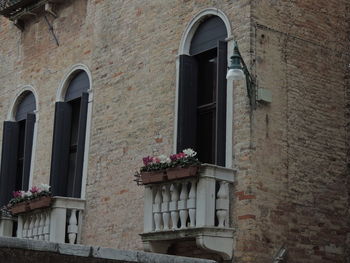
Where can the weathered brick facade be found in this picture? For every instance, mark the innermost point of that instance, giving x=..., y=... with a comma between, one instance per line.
x=291, y=155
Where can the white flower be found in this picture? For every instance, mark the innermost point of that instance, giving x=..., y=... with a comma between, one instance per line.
x=164, y=159
x=189, y=152
x=44, y=187
x=27, y=194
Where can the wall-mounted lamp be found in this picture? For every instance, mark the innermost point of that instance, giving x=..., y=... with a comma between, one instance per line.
x=237, y=70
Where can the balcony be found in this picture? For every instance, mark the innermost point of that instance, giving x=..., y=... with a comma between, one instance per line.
x=196, y=208
x=60, y=223
x=19, y=11
x=11, y=8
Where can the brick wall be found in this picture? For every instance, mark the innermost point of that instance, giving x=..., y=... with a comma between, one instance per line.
x=297, y=189
x=290, y=155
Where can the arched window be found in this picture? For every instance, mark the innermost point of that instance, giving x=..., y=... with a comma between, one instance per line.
x=69, y=138
x=17, y=144
x=202, y=93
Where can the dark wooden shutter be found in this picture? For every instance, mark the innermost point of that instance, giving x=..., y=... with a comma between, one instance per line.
x=187, y=104
x=60, y=149
x=78, y=174
x=220, y=144
x=8, y=161
x=28, y=145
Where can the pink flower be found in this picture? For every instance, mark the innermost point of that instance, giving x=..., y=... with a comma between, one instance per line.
x=17, y=194
x=156, y=160
x=34, y=190
x=180, y=155
x=147, y=160
x=173, y=157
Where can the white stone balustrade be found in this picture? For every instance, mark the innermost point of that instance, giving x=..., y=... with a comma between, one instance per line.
x=191, y=207
x=61, y=222
x=192, y=202
x=6, y=226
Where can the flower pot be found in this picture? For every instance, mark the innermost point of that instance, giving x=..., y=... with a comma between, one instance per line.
x=41, y=202
x=153, y=177
x=181, y=172
x=19, y=208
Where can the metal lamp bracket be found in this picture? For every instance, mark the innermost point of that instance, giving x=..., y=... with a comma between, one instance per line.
x=49, y=8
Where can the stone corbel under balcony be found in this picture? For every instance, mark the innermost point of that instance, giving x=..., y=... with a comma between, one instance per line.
x=191, y=209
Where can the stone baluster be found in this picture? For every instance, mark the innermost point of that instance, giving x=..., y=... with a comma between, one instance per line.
x=25, y=227
x=165, y=207
x=222, y=204
x=36, y=218
x=31, y=226
x=182, y=205
x=191, y=204
x=20, y=222
x=72, y=227
x=41, y=225
x=156, y=210
x=46, y=230
x=173, y=205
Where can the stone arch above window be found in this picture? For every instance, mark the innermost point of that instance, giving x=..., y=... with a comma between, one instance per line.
x=27, y=93
x=77, y=86
x=25, y=104
x=207, y=35
x=197, y=20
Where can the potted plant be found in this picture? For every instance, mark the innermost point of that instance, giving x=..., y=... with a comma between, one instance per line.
x=184, y=164
x=153, y=170
x=35, y=198
x=162, y=168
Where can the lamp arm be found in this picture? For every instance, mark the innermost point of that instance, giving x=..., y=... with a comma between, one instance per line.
x=245, y=68
x=251, y=86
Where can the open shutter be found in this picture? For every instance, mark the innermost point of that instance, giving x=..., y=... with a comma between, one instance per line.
x=220, y=144
x=187, y=110
x=8, y=161
x=28, y=145
x=60, y=149
x=78, y=174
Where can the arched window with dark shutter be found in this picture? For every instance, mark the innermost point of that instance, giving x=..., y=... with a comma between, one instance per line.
x=202, y=93
x=69, y=138
x=17, y=145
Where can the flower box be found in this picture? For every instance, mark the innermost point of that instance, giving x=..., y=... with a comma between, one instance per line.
x=181, y=172
x=41, y=202
x=26, y=206
x=153, y=177
x=19, y=208
x=161, y=168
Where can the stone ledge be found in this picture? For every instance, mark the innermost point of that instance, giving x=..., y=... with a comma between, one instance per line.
x=15, y=250
x=188, y=233
x=213, y=239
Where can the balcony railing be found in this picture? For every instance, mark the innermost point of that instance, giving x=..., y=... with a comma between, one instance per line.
x=20, y=11
x=60, y=223
x=10, y=8
x=197, y=208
